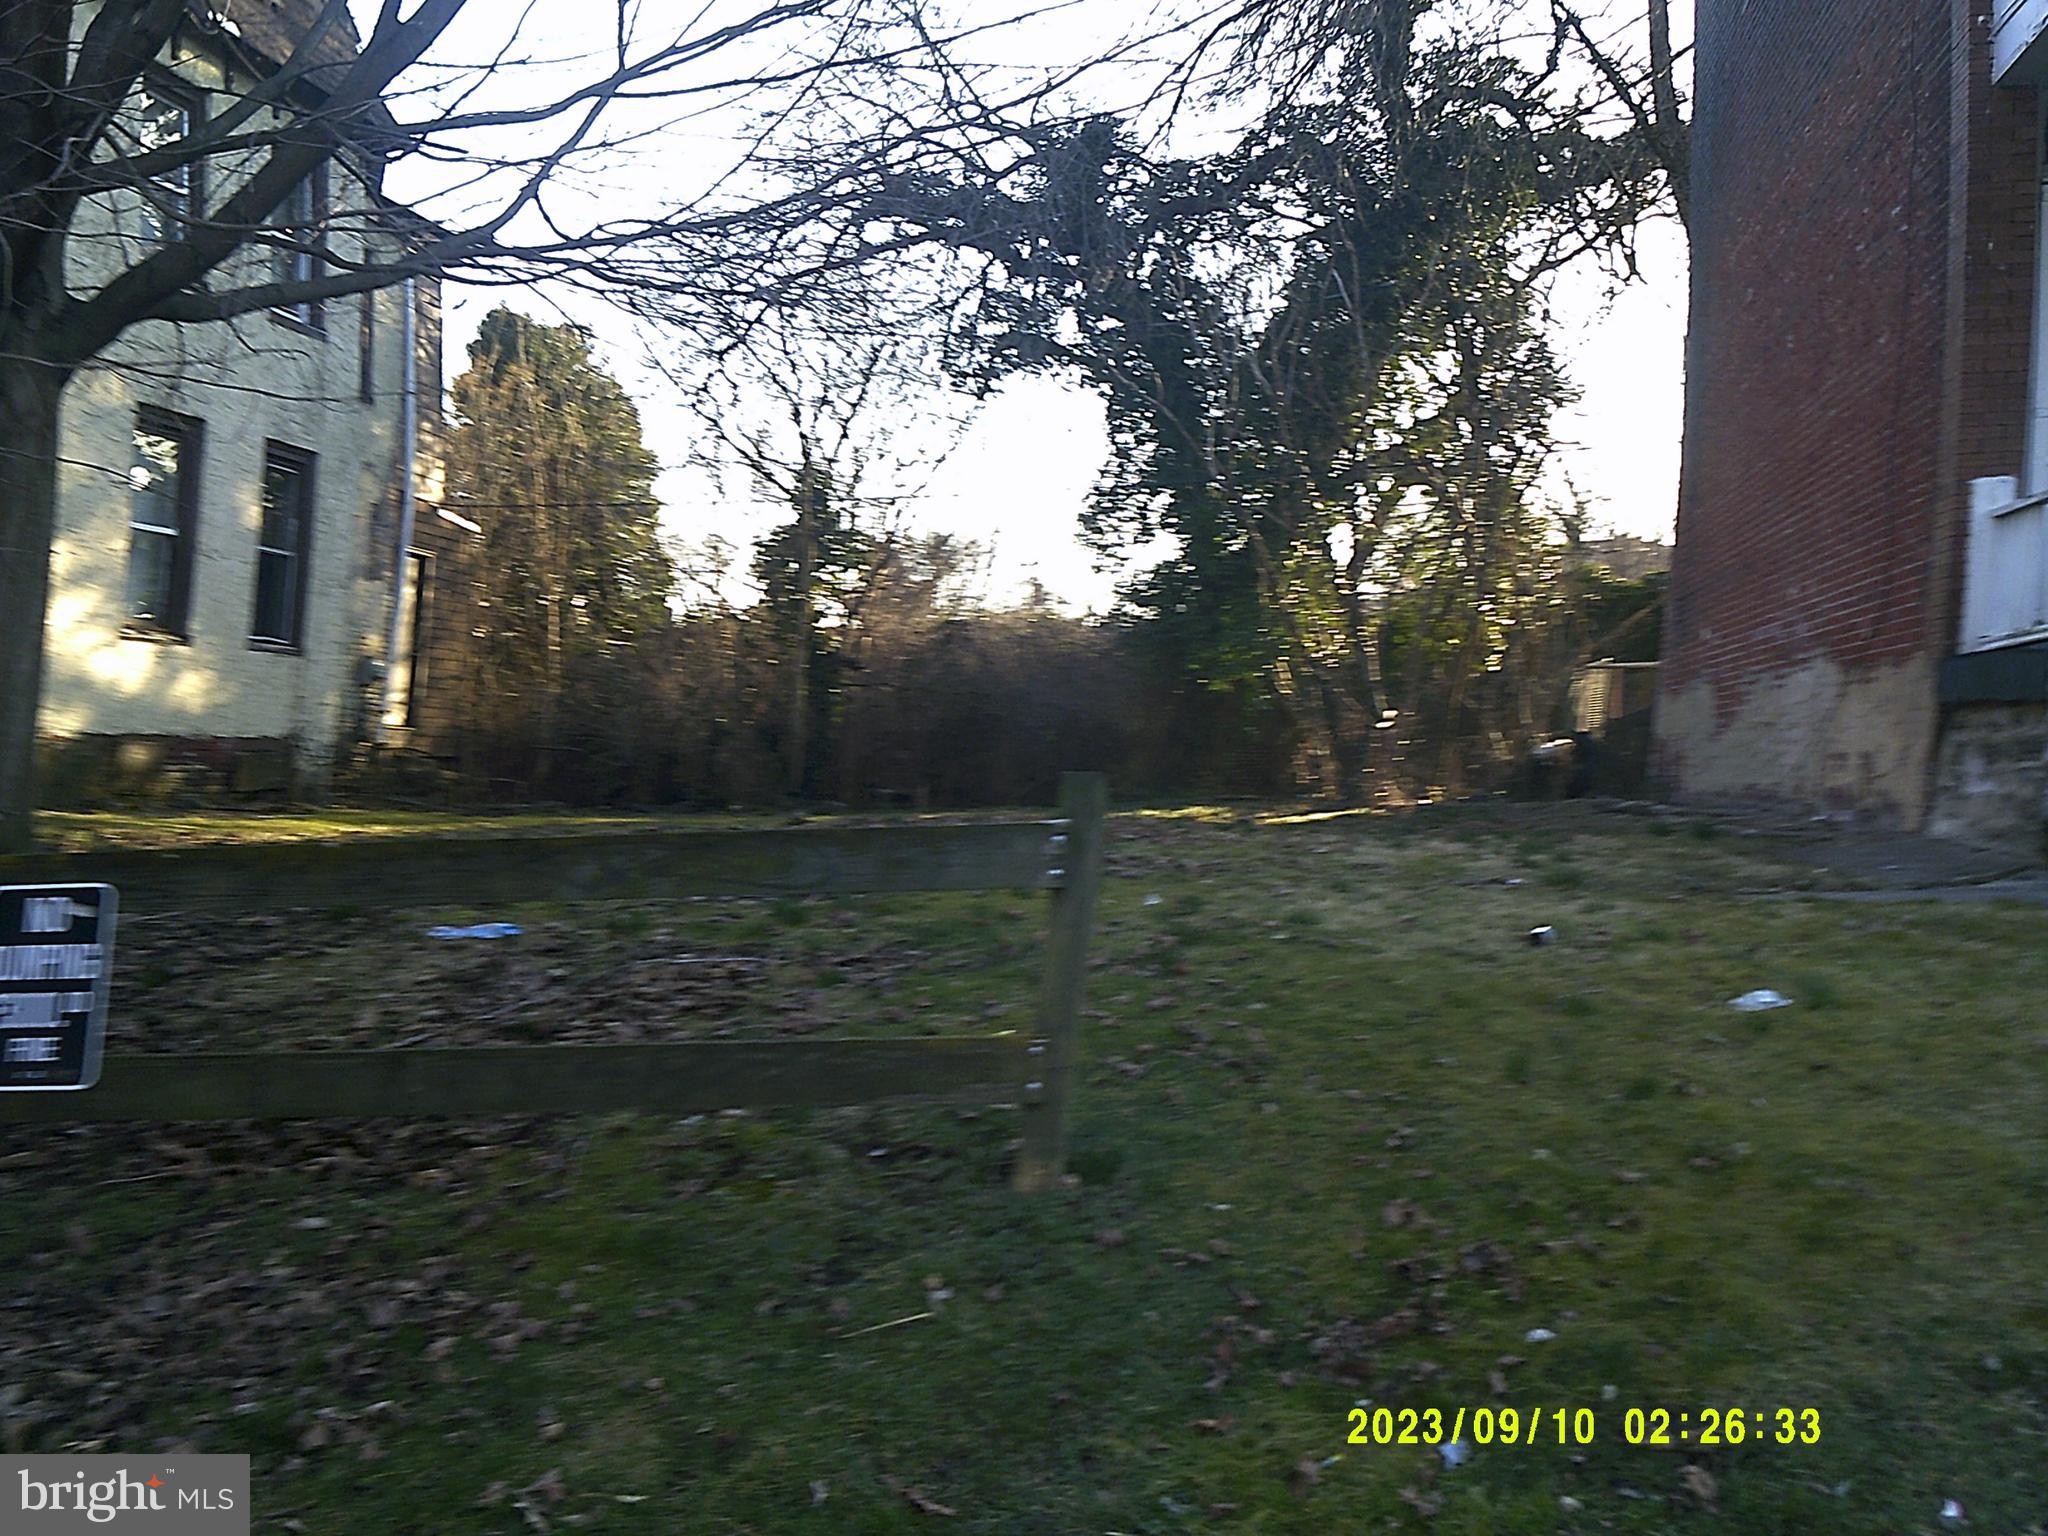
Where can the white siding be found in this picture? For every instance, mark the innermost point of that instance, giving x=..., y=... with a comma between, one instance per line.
x=2016, y=26
x=2005, y=581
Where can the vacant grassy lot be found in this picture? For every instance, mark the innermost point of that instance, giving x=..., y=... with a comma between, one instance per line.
x=1344, y=1136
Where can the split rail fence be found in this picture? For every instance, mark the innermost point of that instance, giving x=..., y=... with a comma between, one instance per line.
x=1062, y=856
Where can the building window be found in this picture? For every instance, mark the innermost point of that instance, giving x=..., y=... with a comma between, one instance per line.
x=282, y=546
x=301, y=225
x=163, y=500
x=366, y=358
x=164, y=117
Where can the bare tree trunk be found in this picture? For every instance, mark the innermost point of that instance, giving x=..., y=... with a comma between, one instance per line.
x=800, y=643
x=1671, y=130
x=1362, y=644
x=1347, y=746
x=30, y=392
x=553, y=582
x=1657, y=121
x=1451, y=756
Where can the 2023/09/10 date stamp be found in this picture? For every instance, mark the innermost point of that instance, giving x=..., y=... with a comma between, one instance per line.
x=1582, y=1426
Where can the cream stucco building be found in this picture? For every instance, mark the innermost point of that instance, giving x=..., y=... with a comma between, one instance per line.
x=227, y=549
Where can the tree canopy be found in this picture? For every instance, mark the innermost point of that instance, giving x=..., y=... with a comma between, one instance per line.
x=545, y=455
x=1325, y=358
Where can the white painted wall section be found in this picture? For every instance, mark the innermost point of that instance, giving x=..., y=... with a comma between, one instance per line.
x=2005, y=575
x=2018, y=50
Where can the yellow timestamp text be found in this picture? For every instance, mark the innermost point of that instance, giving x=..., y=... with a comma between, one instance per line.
x=1483, y=1426
x=1582, y=1426
x=1721, y=1426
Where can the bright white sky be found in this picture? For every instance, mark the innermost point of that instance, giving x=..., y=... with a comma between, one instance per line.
x=1018, y=480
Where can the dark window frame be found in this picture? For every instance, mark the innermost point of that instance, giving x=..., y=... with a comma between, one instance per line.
x=189, y=432
x=297, y=266
x=305, y=464
x=366, y=349
x=169, y=87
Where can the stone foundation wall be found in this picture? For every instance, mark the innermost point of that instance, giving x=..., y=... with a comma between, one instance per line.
x=1819, y=736
x=104, y=772
x=1991, y=777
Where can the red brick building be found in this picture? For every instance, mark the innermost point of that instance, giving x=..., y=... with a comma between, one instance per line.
x=1859, y=599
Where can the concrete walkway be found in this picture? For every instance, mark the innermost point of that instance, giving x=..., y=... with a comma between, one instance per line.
x=2027, y=888
x=1906, y=861
x=1857, y=865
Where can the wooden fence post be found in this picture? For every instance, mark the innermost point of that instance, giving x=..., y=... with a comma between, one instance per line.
x=1084, y=798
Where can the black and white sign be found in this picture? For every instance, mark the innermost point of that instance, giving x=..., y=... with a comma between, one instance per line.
x=56, y=955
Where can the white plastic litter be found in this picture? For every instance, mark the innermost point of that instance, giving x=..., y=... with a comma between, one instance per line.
x=1759, y=1000
x=1951, y=1511
x=1455, y=1453
x=476, y=931
x=1153, y=899
x=1539, y=1336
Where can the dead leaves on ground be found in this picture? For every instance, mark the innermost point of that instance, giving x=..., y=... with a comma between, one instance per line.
x=1699, y=1485
x=918, y=1499
x=102, y=1333
x=299, y=980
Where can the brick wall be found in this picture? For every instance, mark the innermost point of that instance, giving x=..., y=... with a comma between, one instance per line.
x=1996, y=170
x=1862, y=273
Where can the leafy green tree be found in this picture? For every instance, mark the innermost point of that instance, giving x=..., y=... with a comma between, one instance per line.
x=1324, y=360
x=546, y=456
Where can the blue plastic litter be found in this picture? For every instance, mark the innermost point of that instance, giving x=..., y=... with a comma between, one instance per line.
x=476, y=931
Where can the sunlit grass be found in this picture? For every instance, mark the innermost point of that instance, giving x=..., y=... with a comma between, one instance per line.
x=1342, y=1133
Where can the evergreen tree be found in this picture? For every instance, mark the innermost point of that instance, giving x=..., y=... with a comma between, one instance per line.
x=570, y=573
x=546, y=455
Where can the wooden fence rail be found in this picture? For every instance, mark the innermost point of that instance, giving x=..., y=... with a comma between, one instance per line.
x=685, y=1077
x=370, y=873
x=1062, y=856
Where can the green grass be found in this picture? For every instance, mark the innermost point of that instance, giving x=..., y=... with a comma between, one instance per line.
x=87, y=831
x=84, y=831
x=1343, y=1134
